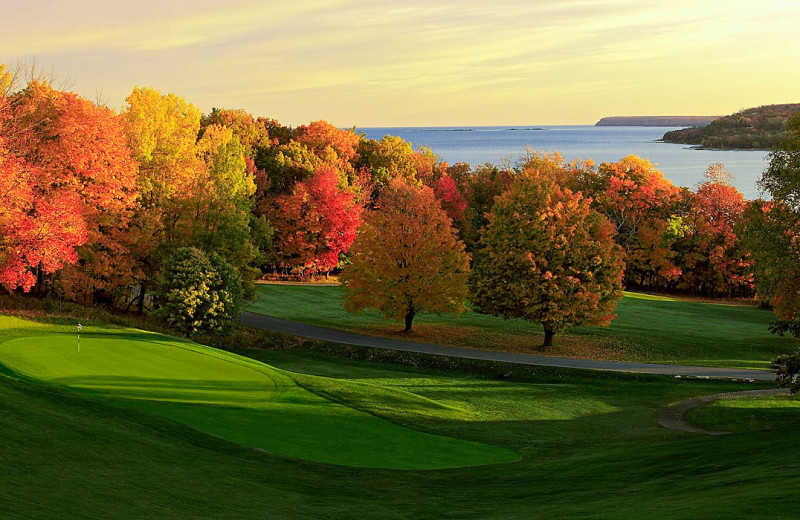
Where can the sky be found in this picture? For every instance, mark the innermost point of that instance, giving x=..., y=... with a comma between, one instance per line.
x=421, y=62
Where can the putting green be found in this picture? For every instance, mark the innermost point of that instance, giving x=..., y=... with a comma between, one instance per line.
x=236, y=398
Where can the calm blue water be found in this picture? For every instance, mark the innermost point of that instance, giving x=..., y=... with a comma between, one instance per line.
x=497, y=144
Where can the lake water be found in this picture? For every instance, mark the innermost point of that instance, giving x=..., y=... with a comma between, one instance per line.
x=681, y=164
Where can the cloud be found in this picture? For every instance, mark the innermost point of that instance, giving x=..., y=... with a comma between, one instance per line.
x=422, y=62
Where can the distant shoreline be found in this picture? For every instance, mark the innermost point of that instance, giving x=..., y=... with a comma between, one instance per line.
x=688, y=121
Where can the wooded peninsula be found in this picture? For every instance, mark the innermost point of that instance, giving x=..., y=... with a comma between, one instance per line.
x=757, y=128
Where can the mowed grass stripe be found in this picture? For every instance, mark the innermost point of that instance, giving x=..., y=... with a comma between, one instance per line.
x=236, y=398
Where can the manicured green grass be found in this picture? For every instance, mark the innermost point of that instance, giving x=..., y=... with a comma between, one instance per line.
x=648, y=328
x=589, y=442
x=235, y=398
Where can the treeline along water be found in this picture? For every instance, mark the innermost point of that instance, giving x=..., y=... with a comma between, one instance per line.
x=681, y=164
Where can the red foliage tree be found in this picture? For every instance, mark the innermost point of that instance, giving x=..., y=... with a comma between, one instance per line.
x=642, y=205
x=317, y=221
x=453, y=202
x=714, y=259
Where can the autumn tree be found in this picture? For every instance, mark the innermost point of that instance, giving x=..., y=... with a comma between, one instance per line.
x=66, y=178
x=713, y=259
x=451, y=198
x=252, y=135
x=643, y=206
x=547, y=257
x=317, y=222
x=483, y=185
x=161, y=131
x=81, y=147
x=406, y=258
x=333, y=146
x=392, y=157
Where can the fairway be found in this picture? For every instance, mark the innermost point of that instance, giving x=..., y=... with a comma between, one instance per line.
x=648, y=329
x=236, y=398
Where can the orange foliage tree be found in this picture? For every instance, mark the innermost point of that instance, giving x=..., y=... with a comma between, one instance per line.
x=69, y=179
x=406, y=258
x=78, y=146
x=547, y=257
x=333, y=146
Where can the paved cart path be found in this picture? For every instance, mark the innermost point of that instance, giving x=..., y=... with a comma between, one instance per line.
x=350, y=338
x=674, y=417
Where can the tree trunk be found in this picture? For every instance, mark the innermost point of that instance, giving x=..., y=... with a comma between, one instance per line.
x=409, y=319
x=141, y=299
x=548, y=336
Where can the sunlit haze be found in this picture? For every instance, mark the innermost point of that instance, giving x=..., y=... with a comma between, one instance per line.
x=414, y=63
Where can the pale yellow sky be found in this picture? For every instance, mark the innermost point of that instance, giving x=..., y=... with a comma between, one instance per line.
x=422, y=62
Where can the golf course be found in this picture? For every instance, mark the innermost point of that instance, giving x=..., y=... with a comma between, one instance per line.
x=238, y=399
x=138, y=424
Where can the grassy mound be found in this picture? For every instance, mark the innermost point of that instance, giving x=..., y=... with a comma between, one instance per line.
x=651, y=329
x=238, y=399
x=780, y=412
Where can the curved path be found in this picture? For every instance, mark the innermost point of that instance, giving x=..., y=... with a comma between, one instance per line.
x=674, y=417
x=350, y=338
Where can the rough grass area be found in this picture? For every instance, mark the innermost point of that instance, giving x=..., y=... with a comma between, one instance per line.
x=589, y=442
x=653, y=329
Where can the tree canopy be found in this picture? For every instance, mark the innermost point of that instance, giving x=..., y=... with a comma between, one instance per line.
x=547, y=257
x=406, y=258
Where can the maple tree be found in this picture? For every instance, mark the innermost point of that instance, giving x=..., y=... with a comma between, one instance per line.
x=392, y=157
x=38, y=232
x=449, y=195
x=406, y=258
x=317, y=221
x=77, y=146
x=484, y=184
x=333, y=146
x=642, y=205
x=713, y=259
x=547, y=257
x=252, y=134
x=71, y=180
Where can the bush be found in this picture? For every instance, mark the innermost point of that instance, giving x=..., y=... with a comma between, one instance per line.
x=788, y=370
x=198, y=294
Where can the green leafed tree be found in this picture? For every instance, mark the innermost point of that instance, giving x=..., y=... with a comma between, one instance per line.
x=547, y=257
x=198, y=294
x=406, y=258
